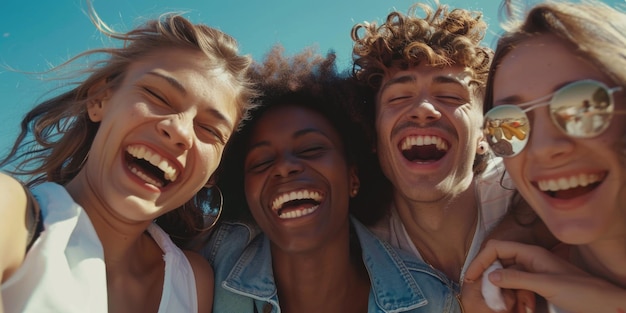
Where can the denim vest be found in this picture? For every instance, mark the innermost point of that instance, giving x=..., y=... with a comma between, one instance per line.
x=244, y=279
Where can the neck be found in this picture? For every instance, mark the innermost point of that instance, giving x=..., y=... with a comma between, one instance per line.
x=120, y=239
x=603, y=258
x=321, y=280
x=442, y=232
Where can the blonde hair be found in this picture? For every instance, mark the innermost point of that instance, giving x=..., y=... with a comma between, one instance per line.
x=593, y=29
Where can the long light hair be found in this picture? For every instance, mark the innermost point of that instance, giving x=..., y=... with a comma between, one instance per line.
x=56, y=135
x=594, y=30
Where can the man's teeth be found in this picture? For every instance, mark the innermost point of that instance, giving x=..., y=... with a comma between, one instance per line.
x=295, y=195
x=140, y=152
x=563, y=183
x=297, y=213
x=424, y=141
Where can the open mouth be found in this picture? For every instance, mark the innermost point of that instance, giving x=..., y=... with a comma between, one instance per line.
x=423, y=149
x=149, y=166
x=571, y=187
x=296, y=204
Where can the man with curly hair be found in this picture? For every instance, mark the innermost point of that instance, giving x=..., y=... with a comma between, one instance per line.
x=427, y=75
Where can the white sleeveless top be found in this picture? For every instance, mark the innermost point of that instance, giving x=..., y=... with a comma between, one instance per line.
x=64, y=270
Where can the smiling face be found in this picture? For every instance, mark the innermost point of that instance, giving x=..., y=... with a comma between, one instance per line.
x=428, y=128
x=575, y=185
x=297, y=180
x=161, y=134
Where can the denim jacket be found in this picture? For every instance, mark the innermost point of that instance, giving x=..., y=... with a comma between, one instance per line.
x=244, y=279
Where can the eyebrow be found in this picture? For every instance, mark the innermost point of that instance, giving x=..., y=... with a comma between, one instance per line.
x=398, y=80
x=518, y=100
x=171, y=80
x=298, y=134
x=178, y=86
x=410, y=79
x=218, y=115
x=448, y=80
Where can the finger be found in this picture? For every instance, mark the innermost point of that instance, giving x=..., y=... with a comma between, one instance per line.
x=543, y=284
x=484, y=259
x=531, y=258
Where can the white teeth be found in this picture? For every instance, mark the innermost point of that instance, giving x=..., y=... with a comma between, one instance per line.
x=145, y=177
x=141, y=152
x=563, y=183
x=295, y=195
x=424, y=141
x=297, y=213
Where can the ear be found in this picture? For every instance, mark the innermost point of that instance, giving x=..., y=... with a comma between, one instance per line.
x=97, y=98
x=211, y=182
x=355, y=183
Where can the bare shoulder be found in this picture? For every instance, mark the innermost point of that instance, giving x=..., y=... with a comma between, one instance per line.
x=203, y=273
x=13, y=230
x=13, y=201
x=11, y=189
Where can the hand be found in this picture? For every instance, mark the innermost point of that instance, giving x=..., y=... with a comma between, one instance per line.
x=539, y=270
x=519, y=301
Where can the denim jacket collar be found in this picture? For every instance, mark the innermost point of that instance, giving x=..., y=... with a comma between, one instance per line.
x=392, y=285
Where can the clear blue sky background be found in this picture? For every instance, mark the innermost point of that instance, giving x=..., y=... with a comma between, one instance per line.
x=36, y=34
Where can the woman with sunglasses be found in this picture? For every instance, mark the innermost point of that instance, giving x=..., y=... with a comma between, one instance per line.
x=555, y=101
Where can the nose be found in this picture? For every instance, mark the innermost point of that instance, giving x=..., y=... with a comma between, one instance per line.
x=423, y=111
x=547, y=143
x=287, y=165
x=177, y=130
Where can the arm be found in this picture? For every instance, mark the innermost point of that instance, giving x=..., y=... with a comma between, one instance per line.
x=548, y=275
x=521, y=224
x=13, y=227
x=204, y=281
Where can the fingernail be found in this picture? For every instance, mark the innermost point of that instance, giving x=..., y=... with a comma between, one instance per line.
x=495, y=276
x=529, y=310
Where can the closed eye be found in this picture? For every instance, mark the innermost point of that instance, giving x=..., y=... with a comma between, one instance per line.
x=260, y=166
x=207, y=131
x=451, y=99
x=312, y=152
x=155, y=95
x=398, y=99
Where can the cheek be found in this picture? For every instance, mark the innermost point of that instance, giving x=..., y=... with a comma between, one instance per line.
x=386, y=117
x=252, y=190
x=514, y=168
x=379, y=124
x=210, y=157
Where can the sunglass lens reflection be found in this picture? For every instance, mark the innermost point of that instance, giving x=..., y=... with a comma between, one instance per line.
x=506, y=130
x=582, y=110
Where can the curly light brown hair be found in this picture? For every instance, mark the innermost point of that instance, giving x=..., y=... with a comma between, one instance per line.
x=441, y=38
x=594, y=30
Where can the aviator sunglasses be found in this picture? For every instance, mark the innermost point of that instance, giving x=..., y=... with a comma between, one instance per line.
x=582, y=109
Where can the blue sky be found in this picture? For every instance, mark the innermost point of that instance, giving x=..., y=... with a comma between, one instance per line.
x=37, y=34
